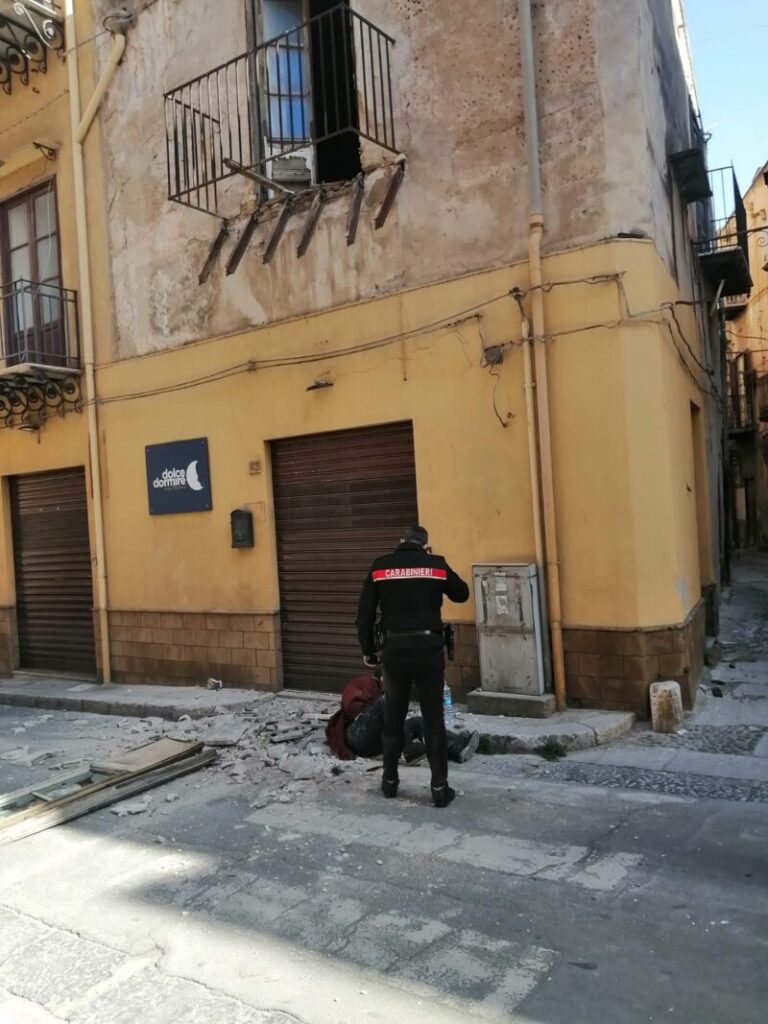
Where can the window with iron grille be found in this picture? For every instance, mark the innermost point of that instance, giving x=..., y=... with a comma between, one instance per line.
x=287, y=73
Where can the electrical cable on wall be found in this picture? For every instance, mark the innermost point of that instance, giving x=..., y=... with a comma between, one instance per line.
x=453, y=320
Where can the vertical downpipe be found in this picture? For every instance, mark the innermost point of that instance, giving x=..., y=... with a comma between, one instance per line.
x=79, y=131
x=547, y=495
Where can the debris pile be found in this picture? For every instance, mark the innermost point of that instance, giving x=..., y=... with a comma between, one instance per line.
x=278, y=747
x=275, y=746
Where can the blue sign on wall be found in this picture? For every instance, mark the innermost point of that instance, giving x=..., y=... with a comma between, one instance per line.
x=178, y=477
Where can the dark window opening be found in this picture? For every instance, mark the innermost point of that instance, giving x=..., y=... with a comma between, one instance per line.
x=310, y=85
x=334, y=89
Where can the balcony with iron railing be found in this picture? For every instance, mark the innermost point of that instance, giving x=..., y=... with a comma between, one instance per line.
x=39, y=353
x=761, y=390
x=734, y=305
x=724, y=249
x=29, y=31
x=314, y=93
x=39, y=330
x=741, y=415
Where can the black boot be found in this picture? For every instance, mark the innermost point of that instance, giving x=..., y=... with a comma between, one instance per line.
x=392, y=748
x=413, y=751
x=389, y=787
x=443, y=795
x=462, y=746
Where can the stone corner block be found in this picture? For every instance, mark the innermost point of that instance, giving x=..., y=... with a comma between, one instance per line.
x=666, y=707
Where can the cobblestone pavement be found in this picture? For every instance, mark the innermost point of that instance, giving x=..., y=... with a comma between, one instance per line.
x=703, y=787
x=721, y=753
x=708, y=739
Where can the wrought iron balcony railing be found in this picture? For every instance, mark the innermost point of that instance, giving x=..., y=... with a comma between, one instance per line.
x=325, y=83
x=735, y=306
x=724, y=249
x=39, y=328
x=28, y=30
x=762, y=398
x=741, y=393
x=740, y=414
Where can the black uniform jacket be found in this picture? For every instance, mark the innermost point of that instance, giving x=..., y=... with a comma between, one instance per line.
x=408, y=585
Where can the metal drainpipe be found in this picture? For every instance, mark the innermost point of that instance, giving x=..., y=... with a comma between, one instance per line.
x=79, y=131
x=540, y=353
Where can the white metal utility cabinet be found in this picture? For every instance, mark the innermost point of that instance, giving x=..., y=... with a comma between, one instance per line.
x=509, y=630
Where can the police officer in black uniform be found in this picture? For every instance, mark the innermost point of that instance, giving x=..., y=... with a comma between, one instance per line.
x=409, y=585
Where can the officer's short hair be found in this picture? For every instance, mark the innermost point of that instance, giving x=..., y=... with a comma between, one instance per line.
x=416, y=535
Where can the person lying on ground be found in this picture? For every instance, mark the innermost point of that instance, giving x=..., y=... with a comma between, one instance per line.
x=357, y=728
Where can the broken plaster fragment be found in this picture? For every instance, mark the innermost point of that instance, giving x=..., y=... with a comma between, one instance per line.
x=131, y=807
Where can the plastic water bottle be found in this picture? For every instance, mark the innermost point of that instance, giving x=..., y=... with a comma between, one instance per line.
x=447, y=704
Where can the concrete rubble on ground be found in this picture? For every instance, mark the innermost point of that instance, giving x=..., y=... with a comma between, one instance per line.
x=275, y=746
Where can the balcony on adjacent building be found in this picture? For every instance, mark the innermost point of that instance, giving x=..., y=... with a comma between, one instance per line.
x=724, y=249
x=289, y=113
x=762, y=398
x=741, y=394
x=39, y=352
x=734, y=306
x=39, y=331
x=29, y=31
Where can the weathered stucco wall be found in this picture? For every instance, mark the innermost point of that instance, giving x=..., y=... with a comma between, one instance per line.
x=459, y=120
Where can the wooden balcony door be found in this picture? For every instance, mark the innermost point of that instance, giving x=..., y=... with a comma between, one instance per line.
x=32, y=309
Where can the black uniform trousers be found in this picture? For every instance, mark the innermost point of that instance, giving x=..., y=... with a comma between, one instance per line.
x=424, y=668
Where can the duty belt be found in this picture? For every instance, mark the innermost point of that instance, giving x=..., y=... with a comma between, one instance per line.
x=417, y=632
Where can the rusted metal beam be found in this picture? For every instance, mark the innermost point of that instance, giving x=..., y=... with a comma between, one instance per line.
x=277, y=233
x=260, y=179
x=394, y=187
x=242, y=244
x=214, y=253
x=309, y=228
x=357, y=206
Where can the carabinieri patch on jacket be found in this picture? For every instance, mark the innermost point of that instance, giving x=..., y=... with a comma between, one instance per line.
x=414, y=573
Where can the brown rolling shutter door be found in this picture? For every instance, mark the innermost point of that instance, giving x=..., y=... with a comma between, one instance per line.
x=52, y=557
x=341, y=499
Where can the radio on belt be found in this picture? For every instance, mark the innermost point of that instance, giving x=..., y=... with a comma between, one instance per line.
x=241, y=521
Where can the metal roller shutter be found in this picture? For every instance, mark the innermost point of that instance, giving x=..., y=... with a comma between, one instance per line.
x=341, y=499
x=52, y=557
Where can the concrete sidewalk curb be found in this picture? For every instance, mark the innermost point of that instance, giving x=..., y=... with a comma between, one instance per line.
x=575, y=730
x=169, y=702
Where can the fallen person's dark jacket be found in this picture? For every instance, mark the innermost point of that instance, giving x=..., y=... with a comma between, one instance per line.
x=359, y=694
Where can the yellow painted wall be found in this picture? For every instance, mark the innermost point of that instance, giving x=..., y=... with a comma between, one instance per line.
x=466, y=462
x=31, y=113
x=621, y=437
